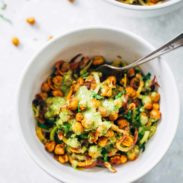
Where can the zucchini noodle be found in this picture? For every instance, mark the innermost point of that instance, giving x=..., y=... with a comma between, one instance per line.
x=87, y=118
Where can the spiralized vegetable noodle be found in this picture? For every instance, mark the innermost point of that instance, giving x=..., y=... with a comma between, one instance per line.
x=87, y=118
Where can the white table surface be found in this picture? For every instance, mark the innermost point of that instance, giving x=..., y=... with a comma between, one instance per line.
x=55, y=17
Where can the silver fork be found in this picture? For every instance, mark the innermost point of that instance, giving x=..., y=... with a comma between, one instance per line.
x=171, y=45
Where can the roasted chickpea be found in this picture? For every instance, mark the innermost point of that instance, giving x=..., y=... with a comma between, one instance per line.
x=138, y=75
x=50, y=146
x=42, y=95
x=155, y=96
x=79, y=117
x=118, y=159
x=131, y=72
x=130, y=91
x=131, y=106
x=45, y=87
x=113, y=116
x=124, y=80
x=93, y=137
x=15, y=41
x=115, y=160
x=59, y=149
x=155, y=114
x=80, y=81
x=63, y=159
x=102, y=141
x=144, y=118
x=57, y=93
x=50, y=37
x=57, y=80
x=106, y=91
x=133, y=153
x=122, y=123
x=128, y=141
x=112, y=152
x=93, y=86
x=148, y=106
x=123, y=159
x=94, y=151
x=95, y=103
x=111, y=79
x=31, y=20
x=73, y=104
x=109, y=133
x=77, y=128
x=76, y=87
x=156, y=106
x=82, y=107
x=103, y=111
x=98, y=60
x=146, y=100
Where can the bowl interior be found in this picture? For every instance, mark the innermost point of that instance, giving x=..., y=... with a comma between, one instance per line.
x=109, y=43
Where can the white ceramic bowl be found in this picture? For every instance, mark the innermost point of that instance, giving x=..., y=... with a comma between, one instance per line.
x=110, y=43
x=148, y=11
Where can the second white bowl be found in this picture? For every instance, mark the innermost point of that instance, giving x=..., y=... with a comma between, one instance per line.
x=147, y=11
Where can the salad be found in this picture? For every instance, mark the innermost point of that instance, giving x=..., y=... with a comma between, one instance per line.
x=87, y=118
x=141, y=2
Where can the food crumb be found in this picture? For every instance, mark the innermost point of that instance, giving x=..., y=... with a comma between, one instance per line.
x=31, y=20
x=50, y=37
x=15, y=41
x=71, y=1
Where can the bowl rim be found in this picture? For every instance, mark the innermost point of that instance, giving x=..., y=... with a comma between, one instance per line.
x=28, y=149
x=144, y=8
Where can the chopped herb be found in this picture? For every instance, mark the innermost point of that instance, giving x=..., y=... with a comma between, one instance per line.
x=66, y=127
x=141, y=133
x=128, y=115
x=120, y=94
x=142, y=147
x=137, y=70
x=5, y=19
x=50, y=122
x=84, y=74
x=43, y=126
x=105, y=157
x=97, y=96
x=75, y=75
x=104, y=154
x=83, y=136
x=64, y=88
x=116, y=108
x=136, y=117
x=147, y=76
x=79, y=110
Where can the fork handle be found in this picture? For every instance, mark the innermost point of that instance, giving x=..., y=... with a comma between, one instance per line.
x=172, y=45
